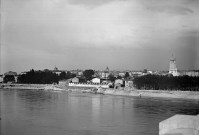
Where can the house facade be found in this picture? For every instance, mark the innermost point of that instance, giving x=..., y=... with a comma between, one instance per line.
x=75, y=80
x=95, y=80
x=1, y=78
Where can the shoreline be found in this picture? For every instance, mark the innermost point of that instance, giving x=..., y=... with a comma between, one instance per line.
x=24, y=86
x=110, y=91
x=155, y=93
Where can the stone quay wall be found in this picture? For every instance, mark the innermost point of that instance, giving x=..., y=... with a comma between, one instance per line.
x=92, y=85
x=180, y=125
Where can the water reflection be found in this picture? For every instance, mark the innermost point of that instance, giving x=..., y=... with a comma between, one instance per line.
x=47, y=113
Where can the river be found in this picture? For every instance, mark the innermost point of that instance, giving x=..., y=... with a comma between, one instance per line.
x=38, y=112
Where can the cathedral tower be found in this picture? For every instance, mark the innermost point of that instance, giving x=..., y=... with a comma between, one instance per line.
x=172, y=66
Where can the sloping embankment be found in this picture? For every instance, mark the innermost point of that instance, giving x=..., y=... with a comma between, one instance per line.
x=154, y=93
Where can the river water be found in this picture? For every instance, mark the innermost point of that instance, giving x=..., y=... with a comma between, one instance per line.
x=37, y=112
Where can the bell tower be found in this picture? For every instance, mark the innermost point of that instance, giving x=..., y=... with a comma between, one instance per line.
x=106, y=73
x=172, y=66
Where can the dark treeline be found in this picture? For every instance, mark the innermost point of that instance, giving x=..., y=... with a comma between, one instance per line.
x=8, y=78
x=43, y=77
x=38, y=77
x=68, y=75
x=156, y=82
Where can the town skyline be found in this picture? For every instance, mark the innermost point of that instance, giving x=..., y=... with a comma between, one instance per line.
x=85, y=34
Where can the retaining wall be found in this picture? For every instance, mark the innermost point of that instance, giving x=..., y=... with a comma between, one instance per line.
x=95, y=85
x=180, y=125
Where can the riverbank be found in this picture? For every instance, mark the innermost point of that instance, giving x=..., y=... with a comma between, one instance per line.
x=41, y=87
x=155, y=93
x=23, y=86
x=120, y=92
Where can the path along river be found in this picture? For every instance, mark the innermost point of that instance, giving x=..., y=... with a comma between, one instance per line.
x=38, y=112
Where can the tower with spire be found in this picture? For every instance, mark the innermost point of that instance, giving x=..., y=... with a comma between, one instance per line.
x=107, y=70
x=172, y=66
x=107, y=73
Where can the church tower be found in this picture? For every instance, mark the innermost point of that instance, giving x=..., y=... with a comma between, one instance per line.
x=107, y=70
x=172, y=66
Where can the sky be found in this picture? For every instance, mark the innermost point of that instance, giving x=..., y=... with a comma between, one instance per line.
x=94, y=34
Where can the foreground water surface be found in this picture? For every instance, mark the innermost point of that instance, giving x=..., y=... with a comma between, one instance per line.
x=37, y=112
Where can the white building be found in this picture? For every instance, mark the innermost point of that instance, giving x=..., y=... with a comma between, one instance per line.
x=95, y=80
x=122, y=74
x=119, y=81
x=1, y=78
x=128, y=83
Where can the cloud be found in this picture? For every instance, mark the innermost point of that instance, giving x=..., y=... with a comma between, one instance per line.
x=63, y=29
x=171, y=7
x=176, y=10
x=92, y=3
x=116, y=23
x=193, y=2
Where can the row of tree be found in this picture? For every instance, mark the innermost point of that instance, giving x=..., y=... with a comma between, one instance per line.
x=43, y=77
x=156, y=82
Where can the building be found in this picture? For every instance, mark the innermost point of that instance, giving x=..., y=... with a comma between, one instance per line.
x=95, y=80
x=128, y=83
x=75, y=80
x=80, y=73
x=1, y=78
x=119, y=81
x=164, y=73
x=136, y=73
x=121, y=74
x=56, y=71
x=105, y=74
x=172, y=66
x=193, y=73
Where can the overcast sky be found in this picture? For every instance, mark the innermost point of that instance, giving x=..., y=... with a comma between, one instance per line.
x=84, y=34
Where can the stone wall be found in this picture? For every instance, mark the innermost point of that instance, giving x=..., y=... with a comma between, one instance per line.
x=89, y=85
x=180, y=125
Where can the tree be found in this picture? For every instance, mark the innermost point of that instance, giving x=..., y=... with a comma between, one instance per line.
x=157, y=82
x=145, y=71
x=88, y=74
x=9, y=78
x=119, y=77
x=62, y=75
x=39, y=77
x=112, y=77
x=70, y=75
x=126, y=75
